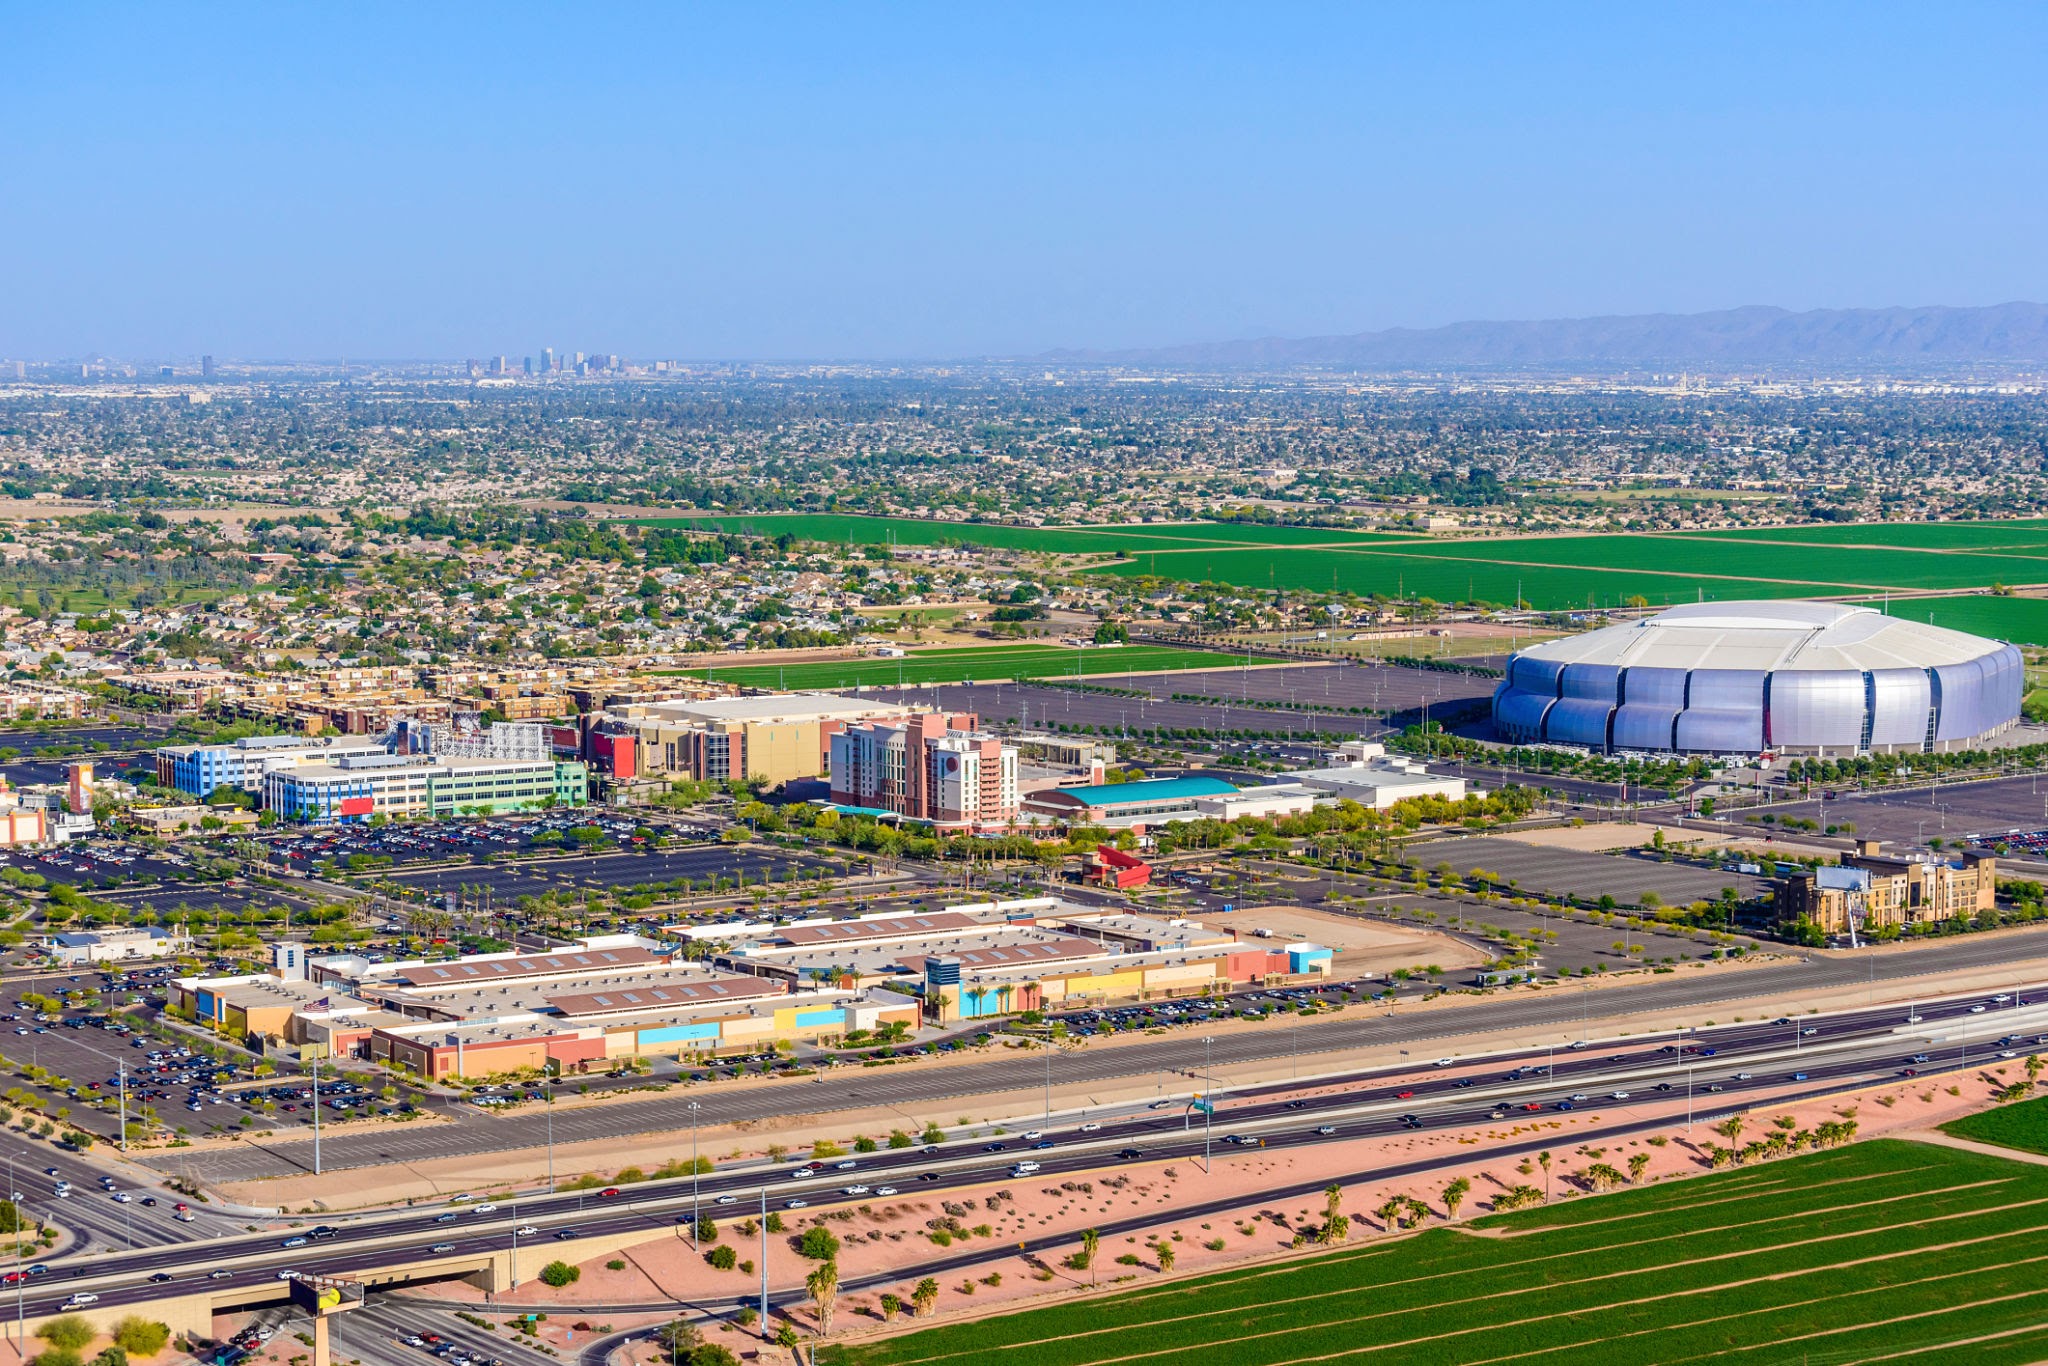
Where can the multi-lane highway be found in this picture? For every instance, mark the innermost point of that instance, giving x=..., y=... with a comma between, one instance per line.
x=1724, y=1068
x=1562, y=1009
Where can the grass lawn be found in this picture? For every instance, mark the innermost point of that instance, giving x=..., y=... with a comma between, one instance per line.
x=2023, y=1125
x=980, y=662
x=1882, y=1250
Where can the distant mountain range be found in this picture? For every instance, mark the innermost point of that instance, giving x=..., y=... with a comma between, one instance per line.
x=1735, y=338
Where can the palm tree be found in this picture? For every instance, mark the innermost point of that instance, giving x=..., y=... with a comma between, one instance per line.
x=1543, y=1161
x=823, y=1285
x=1638, y=1163
x=1165, y=1251
x=1090, y=1240
x=923, y=1297
x=1454, y=1196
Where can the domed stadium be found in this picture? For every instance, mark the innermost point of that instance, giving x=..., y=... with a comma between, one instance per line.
x=1763, y=677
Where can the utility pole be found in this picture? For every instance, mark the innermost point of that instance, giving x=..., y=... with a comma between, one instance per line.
x=764, y=1263
x=121, y=1077
x=551, y=1136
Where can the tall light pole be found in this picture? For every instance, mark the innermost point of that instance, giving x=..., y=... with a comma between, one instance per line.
x=551, y=1136
x=121, y=1079
x=694, y=1107
x=515, y=1245
x=1209, y=1109
x=20, y=1279
x=314, y=1062
x=764, y=1262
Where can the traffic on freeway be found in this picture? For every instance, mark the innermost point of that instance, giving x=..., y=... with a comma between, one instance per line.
x=1718, y=1068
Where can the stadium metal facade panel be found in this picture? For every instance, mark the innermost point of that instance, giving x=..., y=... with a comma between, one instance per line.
x=1756, y=677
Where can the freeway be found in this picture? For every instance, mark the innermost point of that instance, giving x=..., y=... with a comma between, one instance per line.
x=910, y=1088
x=1720, y=1068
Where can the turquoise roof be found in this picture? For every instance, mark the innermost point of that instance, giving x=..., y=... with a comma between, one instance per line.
x=1148, y=790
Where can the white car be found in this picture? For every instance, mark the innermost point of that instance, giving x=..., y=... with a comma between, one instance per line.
x=855, y=1190
x=485, y=1209
x=885, y=1190
x=1976, y=1010
x=803, y=1173
x=1443, y=1062
x=2007, y=1053
x=1617, y=1095
x=796, y=1204
x=82, y=1298
x=727, y=1200
x=1091, y=1128
x=527, y=1231
x=1032, y=1135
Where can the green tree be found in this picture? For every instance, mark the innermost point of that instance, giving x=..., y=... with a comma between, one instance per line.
x=1454, y=1195
x=1090, y=1241
x=823, y=1287
x=559, y=1274
x=924, y=1297
x=819, y=1244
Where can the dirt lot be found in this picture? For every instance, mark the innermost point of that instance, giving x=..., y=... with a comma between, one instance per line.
x=1360, y=947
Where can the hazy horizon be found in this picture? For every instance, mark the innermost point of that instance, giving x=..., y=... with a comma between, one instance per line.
x=915, y=183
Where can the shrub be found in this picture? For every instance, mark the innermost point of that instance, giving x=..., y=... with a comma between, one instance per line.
x=141, y=1337
x=559, y=1274
x=707, y=1230
x=57, y=1356
x=820, y=1244
x=722, y=1258
x=615, y=1264
x=66, y=1330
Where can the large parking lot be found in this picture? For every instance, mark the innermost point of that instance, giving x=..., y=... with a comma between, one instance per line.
x=1981, y=812
x=96, y=862
x=1542, y=870
x=442, y=841
x=601, y=872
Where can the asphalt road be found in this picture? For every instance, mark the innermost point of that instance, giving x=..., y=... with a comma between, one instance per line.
x=1844, y=1052
x=921, y=1092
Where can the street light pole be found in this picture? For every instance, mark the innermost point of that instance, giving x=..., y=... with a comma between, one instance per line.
x=551, y=1136
x=515, y=1245
x=315, y=1062
x=1209, y=1112
x=694, y=1107
x=121, y=1078
x=764, y=1262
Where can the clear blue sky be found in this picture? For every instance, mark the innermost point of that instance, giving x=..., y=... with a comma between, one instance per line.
x=878, y=180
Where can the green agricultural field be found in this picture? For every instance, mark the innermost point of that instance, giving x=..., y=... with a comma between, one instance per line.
x=844, y=529
x=1397, y=575
x=1888, y=1251
x=1552, y=572
x=2023, y=620
x=973, y=662
x=2023, y=1125
x=1902, y=535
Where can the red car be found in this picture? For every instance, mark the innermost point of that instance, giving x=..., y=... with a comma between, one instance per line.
x=1532, y=1105
x=1404, y=1095
x=607, y=1192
